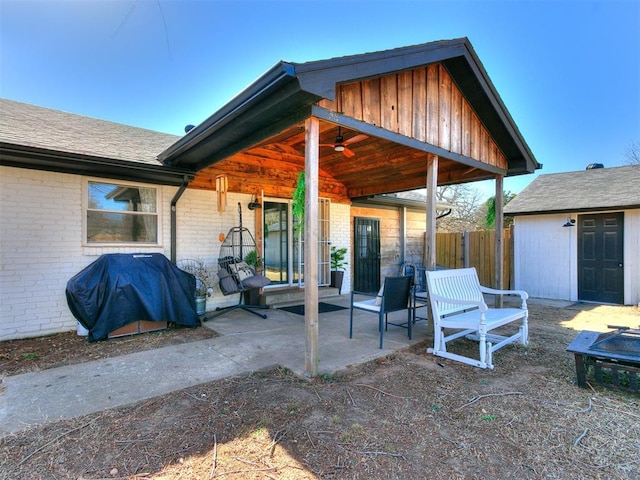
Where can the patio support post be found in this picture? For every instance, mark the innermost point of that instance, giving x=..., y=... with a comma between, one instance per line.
x=430, y=237
x=311, y=154
x=499, y=246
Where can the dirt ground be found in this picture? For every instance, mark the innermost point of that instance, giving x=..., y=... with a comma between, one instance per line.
x=406, y=416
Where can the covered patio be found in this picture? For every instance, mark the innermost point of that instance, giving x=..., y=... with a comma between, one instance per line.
x=281, y=337
x=358, y=126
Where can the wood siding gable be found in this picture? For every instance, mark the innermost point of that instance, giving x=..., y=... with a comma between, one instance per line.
x=424, y=104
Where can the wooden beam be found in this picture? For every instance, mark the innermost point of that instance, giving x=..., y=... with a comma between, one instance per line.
x=499, y=252
x=311, y=160
x=430, y=238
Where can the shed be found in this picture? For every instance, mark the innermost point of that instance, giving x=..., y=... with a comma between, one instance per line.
x=577, y=235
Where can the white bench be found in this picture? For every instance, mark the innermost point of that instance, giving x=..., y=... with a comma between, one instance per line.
x=458, y=305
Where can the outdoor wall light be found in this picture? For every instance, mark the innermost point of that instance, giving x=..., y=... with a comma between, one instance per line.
x=571, y=222
x=254, y=203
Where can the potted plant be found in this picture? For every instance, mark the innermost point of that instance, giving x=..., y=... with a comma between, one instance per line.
x=338, y=262
x=253, y=260
x=201, y=296
x=203, y=279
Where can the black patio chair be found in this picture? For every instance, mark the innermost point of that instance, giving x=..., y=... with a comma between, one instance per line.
x=393, y=296
x=420, y=295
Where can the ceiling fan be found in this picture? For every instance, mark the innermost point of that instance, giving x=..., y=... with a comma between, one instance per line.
x=340, y=145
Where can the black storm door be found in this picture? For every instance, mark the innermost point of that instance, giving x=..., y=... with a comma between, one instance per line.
x=366, y=274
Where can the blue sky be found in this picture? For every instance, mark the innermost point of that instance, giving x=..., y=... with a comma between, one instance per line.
x=568, y=71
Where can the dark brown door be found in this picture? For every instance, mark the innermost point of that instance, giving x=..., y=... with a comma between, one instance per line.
x=600, y=257
x=366, y=254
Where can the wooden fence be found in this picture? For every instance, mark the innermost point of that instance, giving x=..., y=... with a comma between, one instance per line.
x=476, y=249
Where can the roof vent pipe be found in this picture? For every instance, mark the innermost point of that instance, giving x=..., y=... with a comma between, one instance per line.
x=188, y=128
x=593, y=166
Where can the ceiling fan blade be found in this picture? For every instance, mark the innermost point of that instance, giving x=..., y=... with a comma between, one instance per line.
x=357, y=138
x=348, y=153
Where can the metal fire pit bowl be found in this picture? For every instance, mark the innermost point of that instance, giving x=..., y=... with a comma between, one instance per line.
x=611, y=359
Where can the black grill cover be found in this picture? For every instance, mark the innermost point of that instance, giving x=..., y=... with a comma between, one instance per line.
x=119, y=289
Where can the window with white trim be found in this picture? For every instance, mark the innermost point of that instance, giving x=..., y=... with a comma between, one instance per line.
x=118, y=213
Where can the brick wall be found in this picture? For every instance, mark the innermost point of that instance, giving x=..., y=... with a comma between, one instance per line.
x=341, y=237
x=40, y=249
x=199, y=226
x=41, y=244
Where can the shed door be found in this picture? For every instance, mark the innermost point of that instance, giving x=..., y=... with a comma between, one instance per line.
x=366, y=268
x=600, y=258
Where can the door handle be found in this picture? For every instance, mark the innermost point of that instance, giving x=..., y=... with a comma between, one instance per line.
x=620, y=265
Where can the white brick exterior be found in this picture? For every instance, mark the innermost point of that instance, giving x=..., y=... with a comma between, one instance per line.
x=340, y=222
x=41, y=244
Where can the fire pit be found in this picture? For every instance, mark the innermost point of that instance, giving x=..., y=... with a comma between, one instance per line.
x=611, y=359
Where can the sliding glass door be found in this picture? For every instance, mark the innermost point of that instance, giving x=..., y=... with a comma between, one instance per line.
x=277, y=250
x=284, y=252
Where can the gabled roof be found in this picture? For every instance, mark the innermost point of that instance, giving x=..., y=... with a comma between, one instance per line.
x=286, y=94
x=261, y=131
x=37, y=137
x=584, y=190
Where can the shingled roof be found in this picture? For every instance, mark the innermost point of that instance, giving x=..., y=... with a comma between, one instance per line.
x=33, y=126
x=37, y=137
x=584, y=190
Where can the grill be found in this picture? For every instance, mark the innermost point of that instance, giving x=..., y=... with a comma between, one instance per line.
x=610, y=359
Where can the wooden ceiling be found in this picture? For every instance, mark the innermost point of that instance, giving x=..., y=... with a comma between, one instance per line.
x=377, y=166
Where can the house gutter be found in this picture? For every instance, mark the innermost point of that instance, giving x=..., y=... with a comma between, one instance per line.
x=20, y=156
x=397, y=202
x=569, y=210
x=276, y=75
x=174, y=202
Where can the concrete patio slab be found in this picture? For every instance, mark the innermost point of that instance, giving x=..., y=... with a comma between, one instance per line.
x=246, y=343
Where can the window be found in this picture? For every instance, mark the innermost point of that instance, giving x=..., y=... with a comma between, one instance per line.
x=121, y=214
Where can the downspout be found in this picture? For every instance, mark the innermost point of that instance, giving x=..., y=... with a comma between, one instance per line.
x=174, y=201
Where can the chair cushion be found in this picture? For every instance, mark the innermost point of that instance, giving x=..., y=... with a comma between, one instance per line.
x=242, y=270
x=369, y=305
x=380, y=294
x=255, y=281
x=227, y=283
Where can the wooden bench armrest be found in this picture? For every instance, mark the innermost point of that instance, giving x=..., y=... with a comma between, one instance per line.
x=456, y=301
x=523, y=295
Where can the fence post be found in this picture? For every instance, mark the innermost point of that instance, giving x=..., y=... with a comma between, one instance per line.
x=465, y=250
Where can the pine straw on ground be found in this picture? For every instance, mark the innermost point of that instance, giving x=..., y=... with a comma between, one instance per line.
x=408, y=415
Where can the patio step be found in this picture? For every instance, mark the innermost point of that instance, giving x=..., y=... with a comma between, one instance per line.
x=280, y=296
